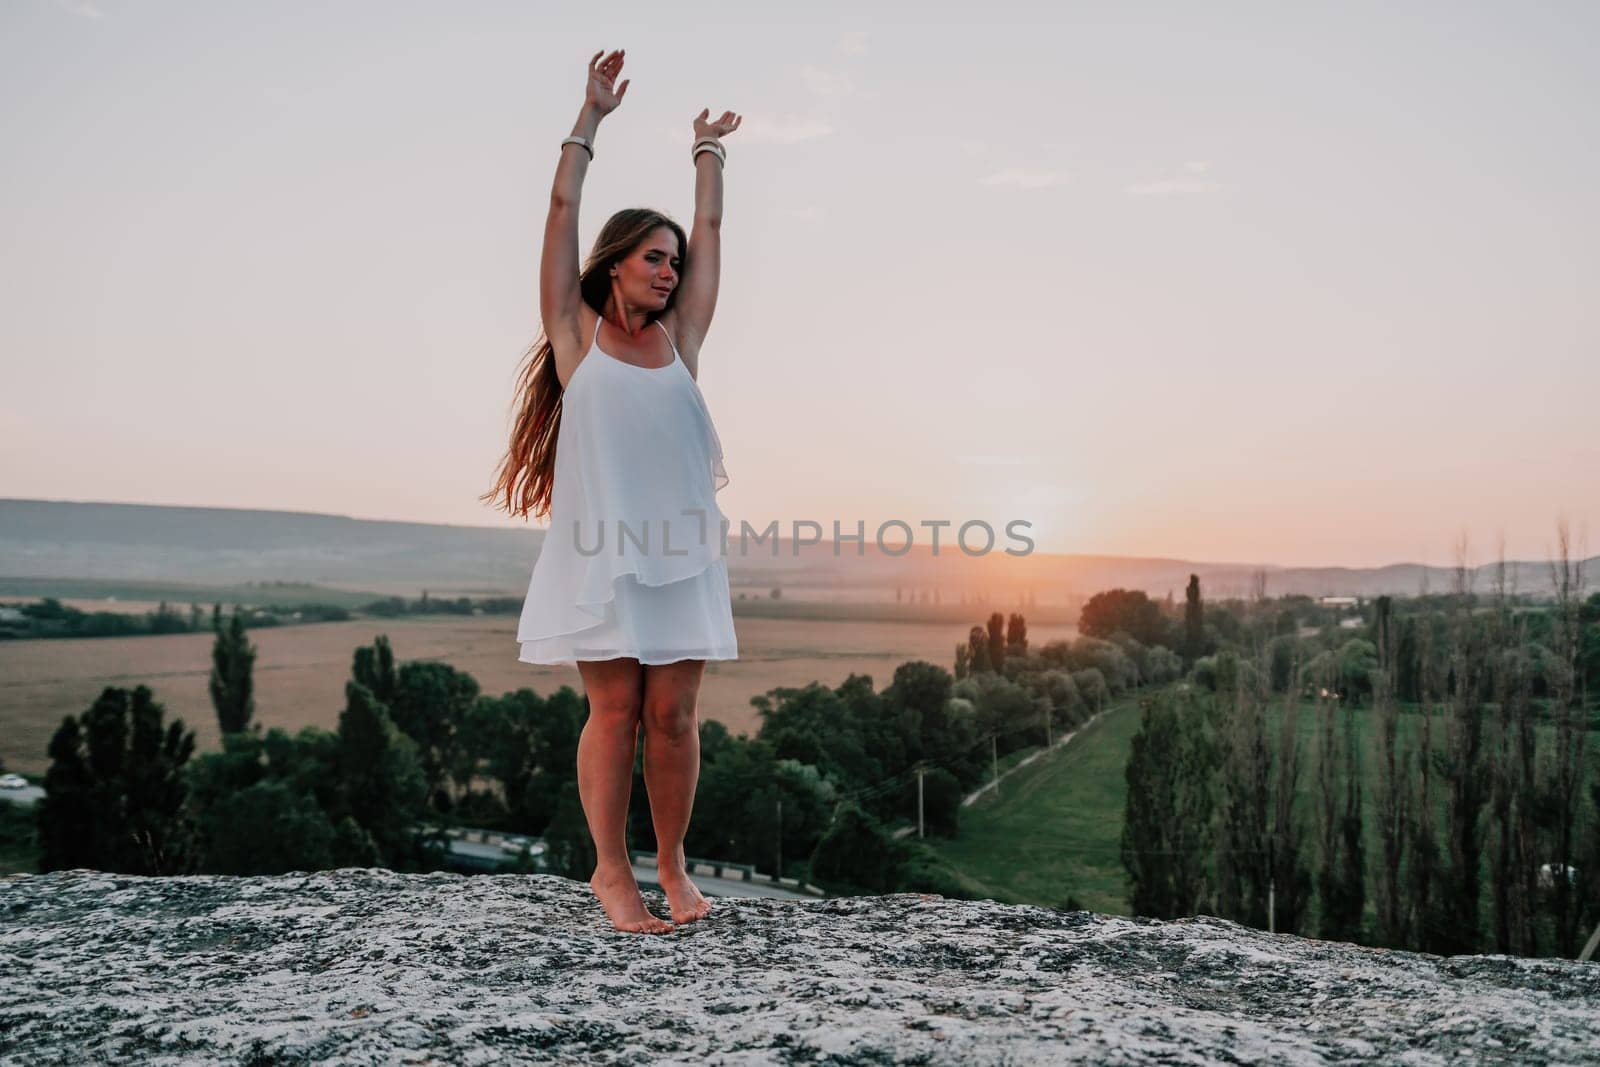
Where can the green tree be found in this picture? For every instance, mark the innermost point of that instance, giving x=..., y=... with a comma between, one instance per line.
x=528, y=746
x=1357, y=663
x=1016, y=635
x=855, y=853
x=115, y=792
x=1391, y=789
x=978, y=651
x=1092, y=688
x=1244, y=860
x=916, y=700
x=1281, y=651
x=430, y=704
x=1341, y=857
x=1167, y=823
x=1291, y=877
x=232, y=660
x=1466, y=792
x=268, y=828
x=1193, y=623
x=1129, y=611
x=1422, y=872
x=373, y=666
x=997, y=641
x=262, y=806
x=814, y=724
x=379, y=775
x=67, y=812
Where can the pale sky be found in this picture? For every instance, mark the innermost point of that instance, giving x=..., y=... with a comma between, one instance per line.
x=1298, y=284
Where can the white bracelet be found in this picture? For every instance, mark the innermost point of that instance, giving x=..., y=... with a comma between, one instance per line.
x=709, y=145
x=581, y=142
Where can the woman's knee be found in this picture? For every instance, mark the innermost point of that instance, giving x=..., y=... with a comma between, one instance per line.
x=620, y=709
x=670, y=717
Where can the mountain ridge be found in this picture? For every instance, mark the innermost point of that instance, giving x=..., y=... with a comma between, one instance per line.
x=75, y=539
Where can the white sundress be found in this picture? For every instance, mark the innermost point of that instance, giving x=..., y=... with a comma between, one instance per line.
x=634, y=563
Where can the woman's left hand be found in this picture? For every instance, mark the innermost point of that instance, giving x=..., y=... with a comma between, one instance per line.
x=720, y=128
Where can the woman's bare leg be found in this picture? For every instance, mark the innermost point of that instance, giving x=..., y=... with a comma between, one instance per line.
x=671, y=769
x=605, y=777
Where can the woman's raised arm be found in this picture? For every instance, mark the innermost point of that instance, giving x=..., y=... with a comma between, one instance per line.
x=697, y=298
x=558, y=265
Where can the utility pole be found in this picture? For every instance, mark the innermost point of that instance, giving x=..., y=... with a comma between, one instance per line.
x=780, y=837
x=1047, y=726
x=994, y=761
x=919, y=800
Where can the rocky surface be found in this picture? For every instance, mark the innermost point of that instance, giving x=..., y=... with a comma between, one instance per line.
x=372, y=967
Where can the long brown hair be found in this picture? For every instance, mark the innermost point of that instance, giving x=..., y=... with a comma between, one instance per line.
x=527, y=470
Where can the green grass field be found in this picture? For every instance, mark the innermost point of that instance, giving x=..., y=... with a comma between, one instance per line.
x=1055, y=829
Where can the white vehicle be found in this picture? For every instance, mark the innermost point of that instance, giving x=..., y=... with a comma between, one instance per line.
x=13, y=781
x=1548, y=873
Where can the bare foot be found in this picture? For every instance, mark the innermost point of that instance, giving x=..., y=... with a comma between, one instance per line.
x=618, y=894
x=683, y=896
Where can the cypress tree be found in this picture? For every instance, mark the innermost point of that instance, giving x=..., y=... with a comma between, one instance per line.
x=1244, y=862
x=1017, y=634
x=1465, y=791
x=232, y=660
x=997, y=641
x=1391, y=789
x=978, y=651
x=1166, y=834
x=1193, y=623
x=1423, y=872
x=373, y=667
x=1291, y=878
x=1340, y=883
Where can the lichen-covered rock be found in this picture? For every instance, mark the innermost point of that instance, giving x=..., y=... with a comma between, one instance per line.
x=372, y=967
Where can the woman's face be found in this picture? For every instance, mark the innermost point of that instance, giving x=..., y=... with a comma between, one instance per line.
x=649, y=273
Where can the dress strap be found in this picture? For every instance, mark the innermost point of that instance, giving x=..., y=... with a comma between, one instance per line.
x=669, y=339
x=598, y=319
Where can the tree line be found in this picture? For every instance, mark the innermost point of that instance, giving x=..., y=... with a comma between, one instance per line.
x=49, y=618
x=813, y=794
x=1444, y=801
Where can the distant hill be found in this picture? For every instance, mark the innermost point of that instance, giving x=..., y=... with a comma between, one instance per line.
x=72, y=540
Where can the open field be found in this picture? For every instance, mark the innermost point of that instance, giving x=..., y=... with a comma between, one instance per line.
x=300, y=671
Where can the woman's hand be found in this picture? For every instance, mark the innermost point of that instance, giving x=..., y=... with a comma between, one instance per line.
x=603, y=93
x=720, y=128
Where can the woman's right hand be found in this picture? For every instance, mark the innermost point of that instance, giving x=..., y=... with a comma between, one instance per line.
x=603, y=93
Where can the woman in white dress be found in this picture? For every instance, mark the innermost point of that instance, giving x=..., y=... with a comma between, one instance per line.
x=614, y=442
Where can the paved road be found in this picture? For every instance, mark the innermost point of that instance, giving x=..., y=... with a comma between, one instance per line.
x=972, y=798
x=646, y=876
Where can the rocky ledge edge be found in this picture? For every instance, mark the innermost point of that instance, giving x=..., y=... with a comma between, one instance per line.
x=366, y=966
